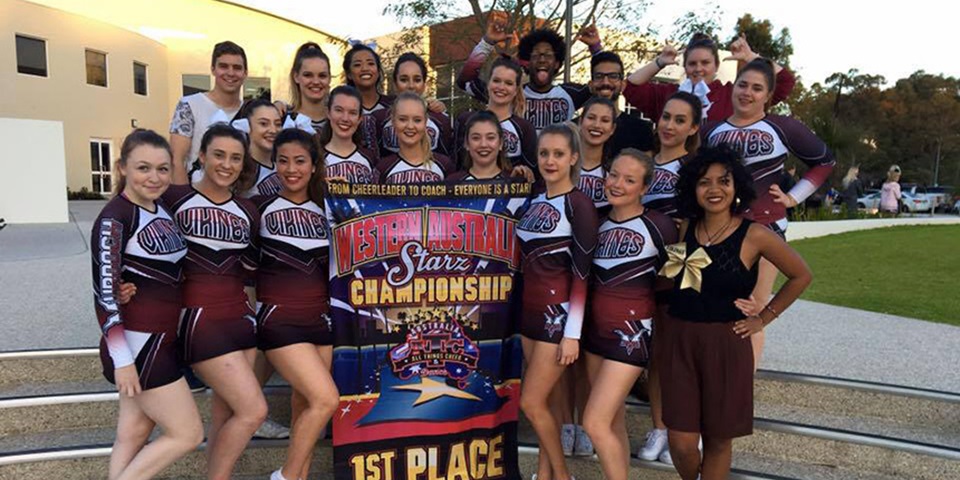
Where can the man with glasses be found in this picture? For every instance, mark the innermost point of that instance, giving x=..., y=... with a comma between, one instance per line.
x=606, y=80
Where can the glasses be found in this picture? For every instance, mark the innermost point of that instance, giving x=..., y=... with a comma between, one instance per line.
x=542, y=56
x=613, y=76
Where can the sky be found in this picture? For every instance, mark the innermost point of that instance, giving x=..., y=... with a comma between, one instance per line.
x=828, y=35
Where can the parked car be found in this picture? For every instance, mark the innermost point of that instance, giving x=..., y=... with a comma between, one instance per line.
x=956, y=207
x=914, y=203
x=869, y=202
x=941, y=197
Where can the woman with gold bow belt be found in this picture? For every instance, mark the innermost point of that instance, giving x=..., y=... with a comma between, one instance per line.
x=707, y=361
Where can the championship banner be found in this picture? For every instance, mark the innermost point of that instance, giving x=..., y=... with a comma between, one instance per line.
x=427, y=359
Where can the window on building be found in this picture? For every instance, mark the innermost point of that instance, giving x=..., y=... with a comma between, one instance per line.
x=139, y=78
x=31, y=56
x=256, y=87
x=195, y=84
x=100, y=166
x=96, y=68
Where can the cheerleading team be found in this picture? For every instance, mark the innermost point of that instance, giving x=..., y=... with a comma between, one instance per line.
x=706, y=353
x=217, y=334
x=363, y=70
x=764, y=141
x=415, y=161
x=310, y=84
x=261, y=120
x=340, y=152
x=293, y=321
x=484, y=157
x=618, y=332
x=557, y=234
x=135, y=240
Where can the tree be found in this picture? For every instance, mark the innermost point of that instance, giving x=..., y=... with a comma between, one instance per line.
x=705, y=20
x=760, y=36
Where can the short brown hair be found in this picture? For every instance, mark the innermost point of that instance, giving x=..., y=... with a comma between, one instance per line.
x=227, y=48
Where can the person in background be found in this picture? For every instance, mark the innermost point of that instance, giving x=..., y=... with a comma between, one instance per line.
x=606, y=80
x=890, y=194
x=787, y=182
x=310, y=84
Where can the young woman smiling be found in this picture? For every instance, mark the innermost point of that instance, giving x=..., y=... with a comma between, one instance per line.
x=484, y=157
x=410, y=75
x=340, y=151
x=415, y=162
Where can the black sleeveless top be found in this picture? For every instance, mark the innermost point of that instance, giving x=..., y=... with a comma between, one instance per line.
x=724, y=280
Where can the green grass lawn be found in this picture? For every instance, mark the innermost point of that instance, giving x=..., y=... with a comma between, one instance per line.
x=911, y=271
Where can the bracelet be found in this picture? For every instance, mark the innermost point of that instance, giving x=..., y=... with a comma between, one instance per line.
x=656, y=60
x=773, y=311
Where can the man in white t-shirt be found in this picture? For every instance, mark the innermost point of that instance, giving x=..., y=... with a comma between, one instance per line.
x=192, y=115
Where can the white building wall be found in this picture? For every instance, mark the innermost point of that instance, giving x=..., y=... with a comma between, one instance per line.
x=33, y=184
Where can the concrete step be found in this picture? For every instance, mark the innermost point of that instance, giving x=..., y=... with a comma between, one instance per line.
x=26, y=369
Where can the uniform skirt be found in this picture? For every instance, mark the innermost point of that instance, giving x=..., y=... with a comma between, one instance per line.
x=155, y=357
x=282, y=325
x=544, y=324
x=706, y=378
x=211, y=331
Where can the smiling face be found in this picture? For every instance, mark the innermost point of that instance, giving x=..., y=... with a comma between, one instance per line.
x=555, y=159
x=264, y=125
x=676, y=124
x=363, y=70
x=410, y=78
x=148, y=173
x=543, y=65
x=222, y=161
x=607, y=80
x=503, y=86
x=715, y=189
x=625, y=185
x=410, y=122
x=313, y=79
x=483, y=144
x=597, y=125
x=294, y=167
x=750, y=94
x=229, y=73
x=344, y=116
x=700, y=65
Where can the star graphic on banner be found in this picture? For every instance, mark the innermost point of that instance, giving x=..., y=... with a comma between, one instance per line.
x=432, y=389
x=344, y=410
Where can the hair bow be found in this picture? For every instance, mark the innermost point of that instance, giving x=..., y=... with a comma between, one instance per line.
x=372, y=44
x=302, y=122
x=221, y=117
x=700, y=90
x=691, y=266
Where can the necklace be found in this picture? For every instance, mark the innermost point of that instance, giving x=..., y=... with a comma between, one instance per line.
x=711, y=238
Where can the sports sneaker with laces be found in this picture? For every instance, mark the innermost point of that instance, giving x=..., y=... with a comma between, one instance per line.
x=568, y=437
x=583, y=446
x=271, y=429
x=655, y=444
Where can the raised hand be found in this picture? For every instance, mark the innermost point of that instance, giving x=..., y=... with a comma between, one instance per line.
x=740, y=50
x=497, y=28
x=436, y=106
x=589, y=35
x=782, y=198
x=667, y=56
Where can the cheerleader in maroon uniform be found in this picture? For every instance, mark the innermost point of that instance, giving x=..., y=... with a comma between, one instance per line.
x=484, y=157
x=557, y=234
x=597, y=126
x=310, y=84
x=340, y=151
x=764, y=142
x=410, y=75
x=293, y=322
x=261, y=119
x=362, y=70
x=134, y=240
x=619, y=330
x=217, y=326
x=678, y=137
x=505, y=100
x=415, y=162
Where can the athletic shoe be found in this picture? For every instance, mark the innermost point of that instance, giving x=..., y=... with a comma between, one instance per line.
x=583, y=447
x=665, y=457
x=272, y=430
x=655, y=444
x=568, y=437
x=278, y=475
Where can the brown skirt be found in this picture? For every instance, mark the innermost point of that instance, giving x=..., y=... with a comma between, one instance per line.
x=706, y=376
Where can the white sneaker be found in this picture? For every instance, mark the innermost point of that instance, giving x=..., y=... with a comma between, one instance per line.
x=271, y=429
x=583, y=447
x=665, y=457
x=278, y=475
x=568, y=437
x=655, y=444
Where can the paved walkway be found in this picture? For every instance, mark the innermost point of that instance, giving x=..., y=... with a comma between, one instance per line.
x=46, y=298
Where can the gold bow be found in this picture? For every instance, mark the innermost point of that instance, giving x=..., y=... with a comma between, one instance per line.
x=677, y=259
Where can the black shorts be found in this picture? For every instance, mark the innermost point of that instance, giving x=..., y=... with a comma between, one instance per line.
x=544, y=324
x=155, y=356
x=211, y=331
x=779, y=227
x=282, y=325
x=626, y=342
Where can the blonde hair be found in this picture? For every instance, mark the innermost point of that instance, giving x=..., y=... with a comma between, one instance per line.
x=851, y=176
x=307, y=50
x=425, y=139
x=893, y=174
x=571, y=133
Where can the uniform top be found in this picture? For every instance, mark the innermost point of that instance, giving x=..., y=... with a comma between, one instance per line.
x=368, y=124
x=651, y=97
x=268, y=182
x=136, y=245
x=764, y=146
x=632, y=132
x=556, y=105
x=218, y=235
x=519, y=140
x=629, y=254
x=726, y=279
x=191, y=117
x=395, y=169
x=591, y=184
x=317, y=125
x=557, y=239
x=292, y=252
x=438, y=129
x=466, y=176
x=662, y=193
x=358, y=167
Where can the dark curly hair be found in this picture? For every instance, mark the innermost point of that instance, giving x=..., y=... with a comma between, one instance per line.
x=539, y=35
x=694, y=169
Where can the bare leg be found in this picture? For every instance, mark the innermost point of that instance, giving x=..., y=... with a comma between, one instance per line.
x=653, y=379
x=234, y=384
x=133, y=430
x=543, y=462
x=685, y=450
x=173, y=409
x=301, y=365
x=543, y=371
x=605, y=412
x=299, y=403
x=717, y=456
